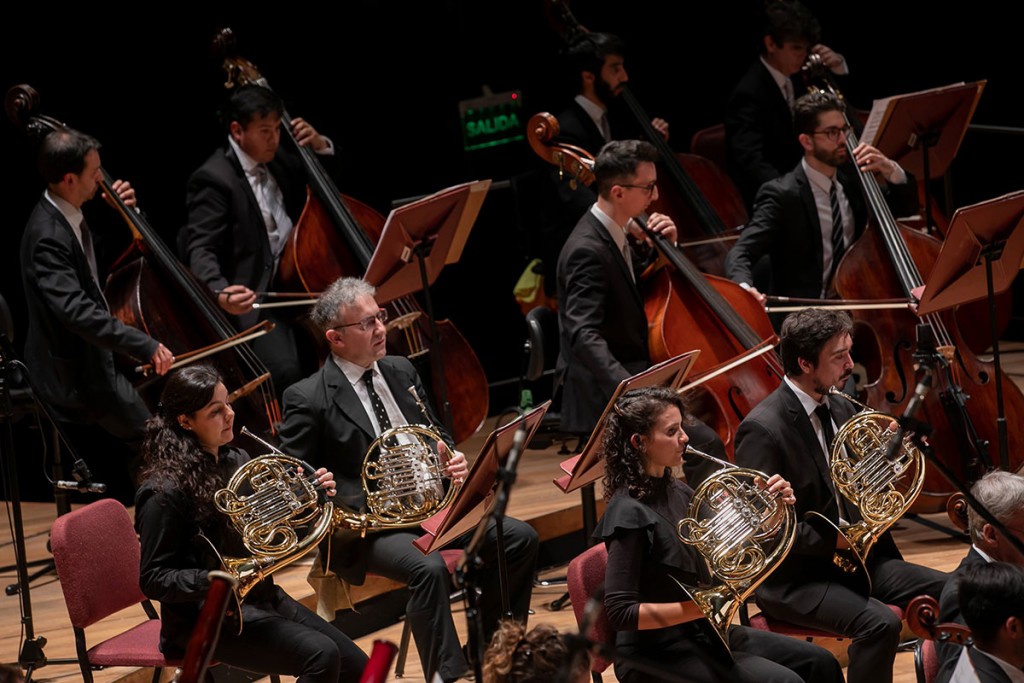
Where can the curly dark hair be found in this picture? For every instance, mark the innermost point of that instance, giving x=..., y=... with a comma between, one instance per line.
x=805, y=333
x=172, y=456
x=538, y=656
x=635, y=413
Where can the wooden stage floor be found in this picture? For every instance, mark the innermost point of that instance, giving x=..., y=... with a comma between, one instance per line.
x=926, y=539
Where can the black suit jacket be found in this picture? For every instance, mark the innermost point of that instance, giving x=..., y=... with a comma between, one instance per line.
x=785, y=225
x=225, y=239
x=777, y=437
x=760, y=142
x=71, y=334
x=601, y=320
x=325, y=425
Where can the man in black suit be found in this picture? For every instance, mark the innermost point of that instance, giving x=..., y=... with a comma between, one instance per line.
x=242, y=205
x=1002, y=494
x=758, y=119
x=601, y=316
x=992, y=600
x=807, y=219
x=330, y=420
x=790, y=432
x=594, y=65
x=71, y=335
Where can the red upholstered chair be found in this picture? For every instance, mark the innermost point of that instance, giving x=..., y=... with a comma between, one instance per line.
x=585, y=576
x=96, y=553
x=710, y=143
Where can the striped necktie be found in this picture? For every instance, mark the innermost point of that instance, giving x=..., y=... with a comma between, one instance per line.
x=838, y=242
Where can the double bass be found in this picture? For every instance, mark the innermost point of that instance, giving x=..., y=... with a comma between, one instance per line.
x=687, y=309
x=149, y=289
x=703, y=201
x=961, y=408
x=335, y=236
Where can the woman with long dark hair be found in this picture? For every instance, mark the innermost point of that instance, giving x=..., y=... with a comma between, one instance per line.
x=658, y=625
x=187, y=458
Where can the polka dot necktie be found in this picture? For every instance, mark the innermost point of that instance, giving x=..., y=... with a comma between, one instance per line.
x=378, y=405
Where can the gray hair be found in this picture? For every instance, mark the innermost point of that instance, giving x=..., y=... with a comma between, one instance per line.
x=342, y=292
x=999, y=492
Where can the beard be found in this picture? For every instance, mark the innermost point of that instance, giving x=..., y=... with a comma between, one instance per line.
x=603, y=90
x=834, y=158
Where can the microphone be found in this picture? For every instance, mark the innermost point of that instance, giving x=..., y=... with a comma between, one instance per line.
x=925, y=355
x=86, y=486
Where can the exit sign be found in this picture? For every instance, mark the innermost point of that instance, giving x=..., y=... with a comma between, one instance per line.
x=492, y=120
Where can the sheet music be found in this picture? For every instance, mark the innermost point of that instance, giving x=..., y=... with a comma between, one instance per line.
x=881, y=108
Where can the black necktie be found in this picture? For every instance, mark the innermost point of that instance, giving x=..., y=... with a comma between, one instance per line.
x=378, y=405
x=825, y=417
x=838, y=243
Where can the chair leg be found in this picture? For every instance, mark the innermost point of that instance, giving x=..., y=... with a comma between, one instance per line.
x=403, y=649
x=596, y=677
x=156, y=674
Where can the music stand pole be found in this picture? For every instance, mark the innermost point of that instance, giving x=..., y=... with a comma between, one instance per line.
x=422, y=250
x=925, y=141
x=989, y=252
x=31, y=655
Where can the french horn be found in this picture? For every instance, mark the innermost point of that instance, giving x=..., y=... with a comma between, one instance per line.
x=742, y=531
x=279, y=514
x=881, y=489
x=403, y=478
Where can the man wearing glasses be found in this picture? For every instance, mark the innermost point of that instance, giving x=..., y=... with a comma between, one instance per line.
x=601, y=314
x=807, y=219
x=330, y=420
x=1002, y=494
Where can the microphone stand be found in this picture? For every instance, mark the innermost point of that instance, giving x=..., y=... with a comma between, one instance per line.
x=927, y=358
x=471, y=562
x=31, y=656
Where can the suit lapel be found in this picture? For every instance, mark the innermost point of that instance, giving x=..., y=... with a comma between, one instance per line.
x=399, y=383
x=339, y=390
x=802, y=425
x=854, y=195
x=254, y=206
x=813, y=221
x=986, y=667
x=81, y=262
x=626, y=269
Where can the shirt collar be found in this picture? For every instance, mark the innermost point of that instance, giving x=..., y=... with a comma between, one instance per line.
x=72, y=214
x=776, y=75
x=248, y=164
x=617, y=232
x=808, y=403
x=593, y=109
x=816, y=177
x=353, y=373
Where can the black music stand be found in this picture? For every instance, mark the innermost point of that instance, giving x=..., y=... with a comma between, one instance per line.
x=922, y=131
x=586, y=468
x=483, y=496
x=433, y=232
x=980, y=258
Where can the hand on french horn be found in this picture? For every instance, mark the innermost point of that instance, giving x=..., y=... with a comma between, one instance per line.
x=457, y=468
x=324, y=480
x=776, y=484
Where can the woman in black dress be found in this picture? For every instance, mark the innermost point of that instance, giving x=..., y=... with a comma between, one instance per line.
x=658, y=626
x=187, y=458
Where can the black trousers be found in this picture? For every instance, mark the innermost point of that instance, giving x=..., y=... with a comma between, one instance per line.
x=280, y=351
x=866, y=619
x=757, y=657
x=280, y=636
x=429, y=613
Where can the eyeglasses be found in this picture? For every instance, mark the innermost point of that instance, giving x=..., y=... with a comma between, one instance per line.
x=833, y=133
x=368, y=322
x=648, y=188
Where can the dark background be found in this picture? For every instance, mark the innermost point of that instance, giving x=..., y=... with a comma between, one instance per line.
x=384, y=79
